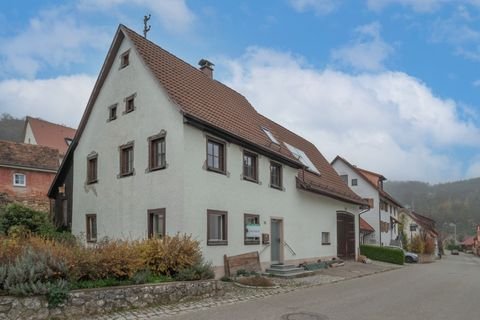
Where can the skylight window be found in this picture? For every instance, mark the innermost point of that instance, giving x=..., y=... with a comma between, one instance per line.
x=270, y=135
x=302, y=157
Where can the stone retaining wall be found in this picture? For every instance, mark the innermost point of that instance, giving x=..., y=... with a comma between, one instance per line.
x=105, y=300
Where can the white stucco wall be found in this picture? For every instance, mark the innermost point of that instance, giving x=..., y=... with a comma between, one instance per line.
x=185, y=189
x=121, y=204
x=29, y=137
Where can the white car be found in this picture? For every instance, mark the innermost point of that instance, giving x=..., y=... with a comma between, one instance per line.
x=410, y=257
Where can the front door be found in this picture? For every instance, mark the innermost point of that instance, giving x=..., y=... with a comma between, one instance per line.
x=345, y=235
x=277, y=240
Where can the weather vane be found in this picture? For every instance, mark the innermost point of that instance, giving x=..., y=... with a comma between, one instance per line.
x=145, y=28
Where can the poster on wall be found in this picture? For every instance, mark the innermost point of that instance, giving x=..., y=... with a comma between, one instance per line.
x=253, y=231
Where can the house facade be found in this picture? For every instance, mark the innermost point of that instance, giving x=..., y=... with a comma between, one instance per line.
x=415, y=224
x=382, y=215
x=26, y=173
x=163, y=148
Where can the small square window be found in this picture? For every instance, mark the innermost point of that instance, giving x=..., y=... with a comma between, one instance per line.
x=91, y=228
x=126, y=160
x=354, y=182
x=216, y=156
x=92, y=167
x=252, y=231
x=156, y=223
x=125, y=59
x=112, y=112
x=344, y=178
x=157, y=153
x=216, y=228
x=19, y=180
x=275, y=175
x=130, y=103
x=325, y=238
x=250, y=166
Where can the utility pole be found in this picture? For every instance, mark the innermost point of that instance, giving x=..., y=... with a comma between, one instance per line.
x=145, y=27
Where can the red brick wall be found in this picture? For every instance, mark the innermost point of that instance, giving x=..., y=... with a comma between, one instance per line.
x=34, y=194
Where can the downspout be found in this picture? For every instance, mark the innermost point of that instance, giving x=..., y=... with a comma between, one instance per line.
x=380, y=221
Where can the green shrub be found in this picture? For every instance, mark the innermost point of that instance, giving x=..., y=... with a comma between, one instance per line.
x=386, y=254
x=201, y=270
x=14, y=215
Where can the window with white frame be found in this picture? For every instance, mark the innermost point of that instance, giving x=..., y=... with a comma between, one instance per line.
x=19, y=180
x=325, y=238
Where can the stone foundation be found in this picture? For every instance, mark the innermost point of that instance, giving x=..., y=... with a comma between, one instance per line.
x=105, y=300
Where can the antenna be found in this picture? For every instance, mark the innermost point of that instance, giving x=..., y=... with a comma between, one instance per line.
x=145, y=28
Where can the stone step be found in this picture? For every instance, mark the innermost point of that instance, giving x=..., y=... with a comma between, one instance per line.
x=282, y=266
x=299, y=274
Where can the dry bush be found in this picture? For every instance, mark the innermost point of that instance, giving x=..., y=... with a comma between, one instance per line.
x=10, y=249
x=417, y=245
x=169, y=255
x=429, y=246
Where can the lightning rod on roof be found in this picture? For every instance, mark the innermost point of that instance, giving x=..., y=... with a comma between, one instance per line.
x=145, y=28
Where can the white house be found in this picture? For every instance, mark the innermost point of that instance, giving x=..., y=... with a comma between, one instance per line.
x=415, y=224
x=383, y=212
x=163, y=148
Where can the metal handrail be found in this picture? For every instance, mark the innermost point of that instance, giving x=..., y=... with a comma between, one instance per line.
x=285, y=244
x=264, y=248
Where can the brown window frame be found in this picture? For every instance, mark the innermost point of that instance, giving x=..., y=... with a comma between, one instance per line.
x=222, y=156
x=156, y=212
x=112, y=112
x=329, y=241
x=280, y=174
x=92, y=170
x=125, y=59
x=224, y=240
x=131, y=98
x=88, y=231
x=153, y=154
x=254, y=157
x=123, y=163
x=247, y=241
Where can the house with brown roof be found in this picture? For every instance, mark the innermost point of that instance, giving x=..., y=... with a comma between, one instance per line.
x=382, y=215
x=415, y=224
x=164, y=148
x=26, y=173
x=45, y=133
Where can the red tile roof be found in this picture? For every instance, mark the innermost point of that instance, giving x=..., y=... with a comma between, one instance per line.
x=51, y=134
x=365, y=226
x=371, y=177
x=469, y=241
x=211, y=102
x=28, y=156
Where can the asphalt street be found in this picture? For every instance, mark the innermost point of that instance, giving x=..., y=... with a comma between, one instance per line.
x=446, y=289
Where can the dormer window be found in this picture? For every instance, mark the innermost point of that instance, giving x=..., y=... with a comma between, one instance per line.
x=68, y=141
x=270, y=135
x=125, y=59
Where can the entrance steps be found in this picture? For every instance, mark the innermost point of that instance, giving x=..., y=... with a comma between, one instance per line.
x=287, y=271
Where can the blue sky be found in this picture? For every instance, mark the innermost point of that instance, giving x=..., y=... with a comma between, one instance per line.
x=392, y=85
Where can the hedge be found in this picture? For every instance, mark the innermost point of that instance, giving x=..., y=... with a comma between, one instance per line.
x=392, y=255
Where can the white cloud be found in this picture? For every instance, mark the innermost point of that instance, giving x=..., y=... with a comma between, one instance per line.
x=473, y=170
x=388, y=122
x=367, y=52
x=476, y=83
x=416, y=5
x=52, y=39
x=174, y=15
x=60, y=100
x=320, y=7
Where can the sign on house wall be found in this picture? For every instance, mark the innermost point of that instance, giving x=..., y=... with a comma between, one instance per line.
x=253, y=231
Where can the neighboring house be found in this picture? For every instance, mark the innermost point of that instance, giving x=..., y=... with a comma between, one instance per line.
x=163, y=148
x=383, y=212
x=44, y=133
x=476, y=241
x=365, y=230
x=468, y=243
x=26, y=173
x=415, y=224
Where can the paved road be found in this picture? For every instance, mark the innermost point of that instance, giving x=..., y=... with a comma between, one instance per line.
x=447, y=289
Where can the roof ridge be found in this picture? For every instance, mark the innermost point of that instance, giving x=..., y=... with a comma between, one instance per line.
x=27, y=118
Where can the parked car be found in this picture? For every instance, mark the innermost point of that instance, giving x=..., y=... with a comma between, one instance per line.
x=410, y=257
x=455, y=252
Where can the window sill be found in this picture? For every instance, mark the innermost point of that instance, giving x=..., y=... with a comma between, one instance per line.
x=276, y=187
x=92, y=241
x=92, y=181
x=251, y=243
x=111, y=119
x=217, y=242
x=157, y=168
x=250, y=179
x=217, y=171
x=124, y=175
x=128, y=111
x=20, y=186
x=326, y=243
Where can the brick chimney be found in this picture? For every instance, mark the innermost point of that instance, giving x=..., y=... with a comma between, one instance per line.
x=206, y=67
